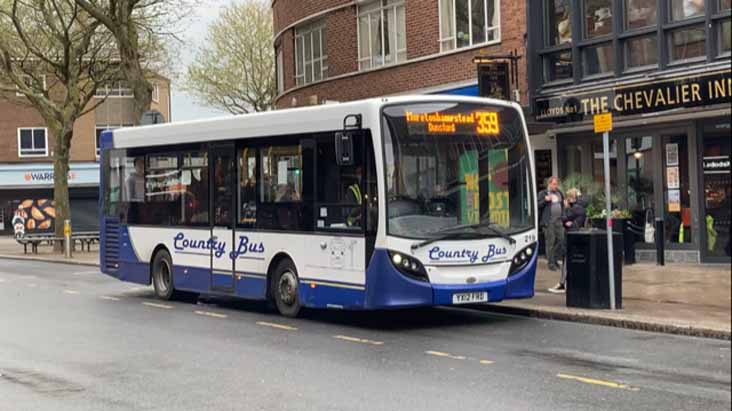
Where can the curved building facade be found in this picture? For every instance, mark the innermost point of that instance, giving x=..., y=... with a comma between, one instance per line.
x=342, y=50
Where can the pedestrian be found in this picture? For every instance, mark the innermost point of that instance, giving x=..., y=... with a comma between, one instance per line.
x=551, y=208
x=573, y=219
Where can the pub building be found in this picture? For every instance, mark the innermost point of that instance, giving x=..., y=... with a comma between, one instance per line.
x=662, y=68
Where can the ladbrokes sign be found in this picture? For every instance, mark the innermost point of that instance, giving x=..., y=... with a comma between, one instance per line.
x=702, y=90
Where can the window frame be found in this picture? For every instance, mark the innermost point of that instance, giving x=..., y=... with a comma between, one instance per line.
x=306, y=32
x=26, y=77
x=382, y=10
x=117, y=91
x=32, y=155
x=620, y=37
x=453, y=36
x=155, y=93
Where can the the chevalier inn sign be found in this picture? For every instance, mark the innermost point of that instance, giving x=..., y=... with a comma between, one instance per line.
x=647, y=97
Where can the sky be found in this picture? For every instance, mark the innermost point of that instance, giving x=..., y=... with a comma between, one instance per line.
x=183, y=105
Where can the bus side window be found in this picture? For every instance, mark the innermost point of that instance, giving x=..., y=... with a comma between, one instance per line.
x=194, y=186
x=248, y=187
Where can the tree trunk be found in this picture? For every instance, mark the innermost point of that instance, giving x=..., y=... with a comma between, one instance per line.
x=61, y=183
x=135, y=74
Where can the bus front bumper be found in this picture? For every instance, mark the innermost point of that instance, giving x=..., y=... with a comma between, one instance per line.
x=387, y=288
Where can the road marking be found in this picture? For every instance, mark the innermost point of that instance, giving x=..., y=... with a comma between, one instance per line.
x=86, y=273
x=278, y=326
x=72, y=292
x=27, y=277
x=445, y=355
x=2, y=280
x=133, y=289
x=487, y=362
x=32, y=285
x=110, y=298
x=157, y=305
x=358, y=340
x=211, y=314
x=593, y=381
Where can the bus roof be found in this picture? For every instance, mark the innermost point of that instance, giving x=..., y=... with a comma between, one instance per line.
x=310, y=119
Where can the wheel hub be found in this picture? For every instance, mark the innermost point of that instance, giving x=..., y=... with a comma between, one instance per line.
x=287, y=288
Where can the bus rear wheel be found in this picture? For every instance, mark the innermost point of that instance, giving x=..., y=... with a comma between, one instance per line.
x=162, y=275
x=285, y=289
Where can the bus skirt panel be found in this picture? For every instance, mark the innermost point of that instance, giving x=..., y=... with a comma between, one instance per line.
x=330, y=294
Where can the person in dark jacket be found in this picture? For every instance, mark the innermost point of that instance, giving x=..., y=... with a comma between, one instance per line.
x=551, y=209
x=573, y=219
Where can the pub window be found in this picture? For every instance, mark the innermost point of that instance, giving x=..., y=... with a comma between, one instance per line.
x=599, y=59
x=558, y=66
x=725, y=5
x=640, y=13
x=686, y=9
x=687, y=43
x=725, y=37
x=598, y=19
x=32, y=142
x=465, y=23
x=381, y=33
x=641, y=51
x=248, y=187
x=281, y=174
x=194, y=188
x=558, y=22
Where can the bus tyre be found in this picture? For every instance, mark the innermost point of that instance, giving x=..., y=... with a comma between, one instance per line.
x=162, y=276
x=285, y=289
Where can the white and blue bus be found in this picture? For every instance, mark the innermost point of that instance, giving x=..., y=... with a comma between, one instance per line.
x=376, y=204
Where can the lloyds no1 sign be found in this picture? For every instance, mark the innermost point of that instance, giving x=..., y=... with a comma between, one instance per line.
x=646, y=97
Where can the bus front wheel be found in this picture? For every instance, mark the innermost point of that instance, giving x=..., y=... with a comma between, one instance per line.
x=285, y=289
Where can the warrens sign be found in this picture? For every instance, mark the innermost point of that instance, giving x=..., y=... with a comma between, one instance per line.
x=695, y=91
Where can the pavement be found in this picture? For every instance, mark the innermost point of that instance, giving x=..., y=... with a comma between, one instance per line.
x=676, y=298
x=685, y=299
x=74, y=339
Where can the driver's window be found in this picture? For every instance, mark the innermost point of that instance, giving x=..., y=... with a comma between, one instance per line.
x=340, y=193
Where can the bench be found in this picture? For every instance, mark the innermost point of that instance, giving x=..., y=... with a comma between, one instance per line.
x=34, y=240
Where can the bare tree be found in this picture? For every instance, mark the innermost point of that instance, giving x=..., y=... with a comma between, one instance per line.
x=138, y=27
x=235, y=70
x=56, y=56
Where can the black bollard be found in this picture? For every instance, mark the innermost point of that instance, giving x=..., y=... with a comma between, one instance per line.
x=660, y=242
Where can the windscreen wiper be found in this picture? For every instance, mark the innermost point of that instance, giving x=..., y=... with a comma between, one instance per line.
x=455, y=236
x=450, y=236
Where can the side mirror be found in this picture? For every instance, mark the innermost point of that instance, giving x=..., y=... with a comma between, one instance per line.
x=344, y=148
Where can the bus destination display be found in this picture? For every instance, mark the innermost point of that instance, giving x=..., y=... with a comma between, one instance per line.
x=477, y=122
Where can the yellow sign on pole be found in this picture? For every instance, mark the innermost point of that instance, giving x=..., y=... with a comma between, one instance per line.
x=603, y=122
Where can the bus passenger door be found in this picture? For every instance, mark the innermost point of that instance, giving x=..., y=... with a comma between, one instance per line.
x=222, y=183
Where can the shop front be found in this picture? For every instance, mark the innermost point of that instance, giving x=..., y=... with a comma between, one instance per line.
x=26, y=197
x=669, y=156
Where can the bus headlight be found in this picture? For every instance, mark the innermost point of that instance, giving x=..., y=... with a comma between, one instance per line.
x=408, y=266
x=521, y=259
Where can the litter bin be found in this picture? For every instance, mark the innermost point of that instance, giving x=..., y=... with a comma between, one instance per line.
x=587, y=269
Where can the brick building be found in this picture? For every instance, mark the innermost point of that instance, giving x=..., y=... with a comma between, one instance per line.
x=340, y=50
x=26, y=155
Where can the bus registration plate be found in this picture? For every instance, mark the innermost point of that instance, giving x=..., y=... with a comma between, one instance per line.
x=467, y=298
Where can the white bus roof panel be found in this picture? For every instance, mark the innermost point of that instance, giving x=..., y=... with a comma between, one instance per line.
x=311, y=119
